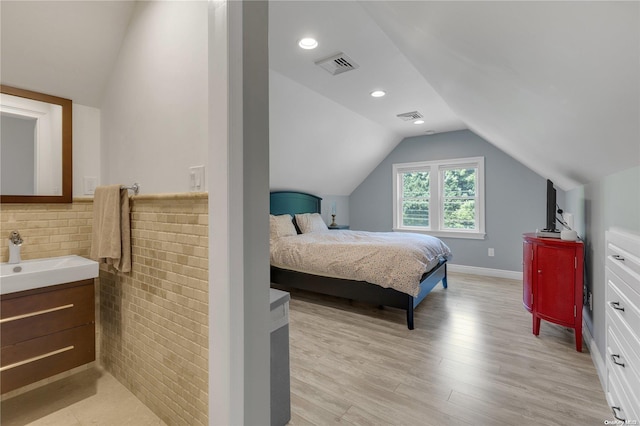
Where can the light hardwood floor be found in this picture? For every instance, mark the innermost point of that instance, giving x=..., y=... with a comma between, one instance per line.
x=471, y=360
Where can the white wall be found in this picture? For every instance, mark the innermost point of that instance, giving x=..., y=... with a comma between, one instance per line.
x=239, y=364
x=18, y=153
x=312, y=141
x=341, y=204
x=86, y=146
x=610, y=202
x=181, y=95
x=154, y=112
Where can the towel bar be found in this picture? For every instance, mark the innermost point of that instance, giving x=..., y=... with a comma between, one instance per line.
x=135, y=188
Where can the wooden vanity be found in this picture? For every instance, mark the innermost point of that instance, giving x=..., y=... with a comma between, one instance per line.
x=46, y=331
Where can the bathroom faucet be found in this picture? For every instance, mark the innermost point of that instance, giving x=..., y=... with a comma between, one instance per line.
x=15, y=241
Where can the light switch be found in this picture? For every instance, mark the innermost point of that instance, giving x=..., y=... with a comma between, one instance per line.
x=89, y=183
x=196, y=179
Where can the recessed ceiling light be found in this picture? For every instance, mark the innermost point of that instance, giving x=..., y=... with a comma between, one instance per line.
x=378, y=93
x=308, y=43
x=430, y=132
x=418, y=122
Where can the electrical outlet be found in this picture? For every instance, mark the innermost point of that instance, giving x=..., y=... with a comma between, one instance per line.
x=491, y=252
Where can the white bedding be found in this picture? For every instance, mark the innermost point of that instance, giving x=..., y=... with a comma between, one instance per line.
x=388, y=259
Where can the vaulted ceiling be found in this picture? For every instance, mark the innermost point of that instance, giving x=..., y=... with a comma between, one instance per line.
x=554, y=84
x=62, y=48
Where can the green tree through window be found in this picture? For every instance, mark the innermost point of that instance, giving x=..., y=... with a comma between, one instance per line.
x=444, y=198
x=459, y=198
x=415, y=199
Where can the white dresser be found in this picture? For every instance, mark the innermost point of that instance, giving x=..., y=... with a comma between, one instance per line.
x=623, y=324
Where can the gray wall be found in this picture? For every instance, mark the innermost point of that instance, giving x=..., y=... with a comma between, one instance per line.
x=612, y=201
x=18, y=155
x=515, y=198
x=341, y=203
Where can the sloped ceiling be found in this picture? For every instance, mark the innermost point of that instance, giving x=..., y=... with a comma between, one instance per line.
x=318, y=145
x=62, y=48
x=553, y=84
x=331, y=150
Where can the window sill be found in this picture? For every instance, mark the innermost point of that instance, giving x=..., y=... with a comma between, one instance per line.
x=445, y=234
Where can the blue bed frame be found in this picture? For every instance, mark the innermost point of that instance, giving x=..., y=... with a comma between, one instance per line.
x=290, y=202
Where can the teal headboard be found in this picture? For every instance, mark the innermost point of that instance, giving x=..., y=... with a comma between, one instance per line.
x=283, y=202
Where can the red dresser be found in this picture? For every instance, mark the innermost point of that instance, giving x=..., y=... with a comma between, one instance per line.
x=553, y=281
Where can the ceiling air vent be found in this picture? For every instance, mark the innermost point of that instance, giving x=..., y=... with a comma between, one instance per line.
x=337, y=64
x=408, y=116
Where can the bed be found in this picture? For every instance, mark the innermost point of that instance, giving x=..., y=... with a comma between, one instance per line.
x=292, y=203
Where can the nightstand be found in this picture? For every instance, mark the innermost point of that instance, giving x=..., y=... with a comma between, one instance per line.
x=338, y=227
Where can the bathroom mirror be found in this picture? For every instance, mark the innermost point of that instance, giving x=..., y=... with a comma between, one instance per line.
x=35, y=147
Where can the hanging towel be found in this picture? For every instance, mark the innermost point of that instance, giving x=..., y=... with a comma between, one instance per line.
x=111, y=237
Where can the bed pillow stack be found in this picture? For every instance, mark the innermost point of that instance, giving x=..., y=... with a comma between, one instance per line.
x=310, y=222
x=281, y=226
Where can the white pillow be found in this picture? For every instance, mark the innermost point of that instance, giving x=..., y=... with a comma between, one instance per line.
x=281, y=226
x=310, y=222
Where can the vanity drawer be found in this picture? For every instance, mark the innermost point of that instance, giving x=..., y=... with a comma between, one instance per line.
x=32, y=314
x=36, y=359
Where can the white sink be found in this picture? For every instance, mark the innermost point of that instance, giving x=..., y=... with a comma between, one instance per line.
x=36, y=273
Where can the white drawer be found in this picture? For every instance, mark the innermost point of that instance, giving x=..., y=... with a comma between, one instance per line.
x=624, y=408
x=624, y=360
x=623, y=249
x=619, y=302
x=622, y=318
x=625, y=274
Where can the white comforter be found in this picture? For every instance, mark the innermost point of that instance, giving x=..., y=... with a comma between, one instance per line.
x=388, y=259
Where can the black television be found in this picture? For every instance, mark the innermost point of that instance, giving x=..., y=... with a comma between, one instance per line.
x=551, y=208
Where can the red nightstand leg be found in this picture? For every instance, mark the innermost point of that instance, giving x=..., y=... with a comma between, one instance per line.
x=579, y=338
x=536, y=325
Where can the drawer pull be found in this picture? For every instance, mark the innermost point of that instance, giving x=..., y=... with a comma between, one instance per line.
x=615, y=414
x=615, y=359
x=616, y=305
x=35, y=358
x=33, y=314
x=618, y=257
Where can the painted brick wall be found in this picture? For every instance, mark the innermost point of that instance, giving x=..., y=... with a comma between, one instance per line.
x=152, y=324
x=155, y=320
x=48, y=230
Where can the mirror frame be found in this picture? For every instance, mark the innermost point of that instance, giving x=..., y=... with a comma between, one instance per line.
x=67, y=137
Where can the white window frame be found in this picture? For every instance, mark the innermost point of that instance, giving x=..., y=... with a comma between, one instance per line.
x=436, y=189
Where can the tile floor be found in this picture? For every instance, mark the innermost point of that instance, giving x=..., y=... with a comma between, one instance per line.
x=91, y=397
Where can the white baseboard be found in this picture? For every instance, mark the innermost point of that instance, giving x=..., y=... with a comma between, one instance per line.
x=486, y=272
x=598, y=362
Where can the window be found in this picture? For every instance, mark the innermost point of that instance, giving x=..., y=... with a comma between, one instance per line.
x=415, y=198
x=442, y=198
